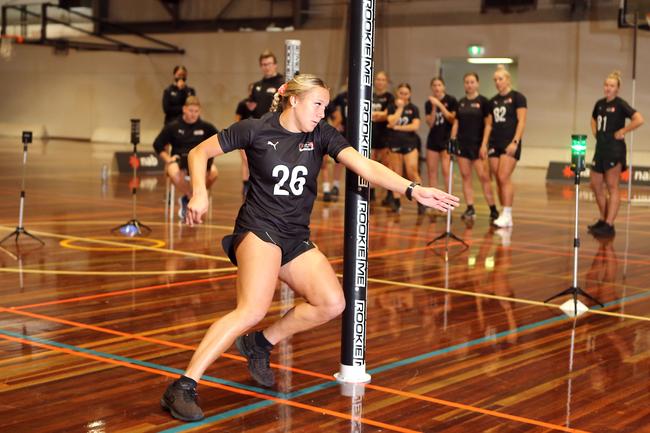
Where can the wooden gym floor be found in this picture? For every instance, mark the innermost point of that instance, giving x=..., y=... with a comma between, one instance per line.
x=93, y=326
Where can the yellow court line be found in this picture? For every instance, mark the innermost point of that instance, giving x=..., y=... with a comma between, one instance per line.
x=129, y=246
x=500, y=298
x=113, y=223
x=67, y=243
x=59, y=272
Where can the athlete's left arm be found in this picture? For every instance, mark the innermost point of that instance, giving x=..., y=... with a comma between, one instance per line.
x=636, y=121
x=378, y=174
x=409, y=127
x=521, y=123
x=448, y=115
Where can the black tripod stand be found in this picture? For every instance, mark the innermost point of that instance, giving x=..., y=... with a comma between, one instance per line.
x=27, y=138
x=451, y=149
x=578, y=166
x=134, y=227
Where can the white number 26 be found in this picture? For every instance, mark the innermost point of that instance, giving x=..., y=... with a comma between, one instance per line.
x=296, y=183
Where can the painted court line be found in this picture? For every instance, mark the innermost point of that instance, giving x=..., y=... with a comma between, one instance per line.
x=330, y=380
x=169, y=372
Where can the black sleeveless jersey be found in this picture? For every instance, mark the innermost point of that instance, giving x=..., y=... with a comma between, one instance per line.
x=610, y=117
x=441, y=128
x=504, y=116
x=471, y=120
x=263, y=92
x=173, y=101
x=380, y=103
x=284, y=169
x=406, y=138
x=182, y=136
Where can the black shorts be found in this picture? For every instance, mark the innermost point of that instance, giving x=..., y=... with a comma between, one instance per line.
x=183, y=165
x=601, y=164
x=379, y=143
x=495, y=150
x=437, y=146
x=470, y=151
x=291, y=247
x=400, y=142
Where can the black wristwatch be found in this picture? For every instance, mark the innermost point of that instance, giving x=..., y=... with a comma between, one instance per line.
x=409, y=190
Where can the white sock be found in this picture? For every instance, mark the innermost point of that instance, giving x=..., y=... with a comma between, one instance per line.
x=507, y=211
x=326, y=187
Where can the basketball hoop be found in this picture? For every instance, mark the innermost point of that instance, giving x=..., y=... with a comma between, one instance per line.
x=6, y=45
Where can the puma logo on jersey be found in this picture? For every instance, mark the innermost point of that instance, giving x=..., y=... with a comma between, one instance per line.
x=270, y=143
x=303, y=147
x=198, y=132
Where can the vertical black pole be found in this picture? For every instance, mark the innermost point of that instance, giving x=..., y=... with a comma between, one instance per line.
x=355, y=257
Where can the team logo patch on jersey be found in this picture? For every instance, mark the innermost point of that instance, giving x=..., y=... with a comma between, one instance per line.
x=258, y=88
x=304, y=147
x=181, y=131
x=476, y=105
x=507, y=101
x=270, y=143
x=271, y=90
x=199, y=132
x=611, y=109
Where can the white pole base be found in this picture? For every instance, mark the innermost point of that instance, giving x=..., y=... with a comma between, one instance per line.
x=569, y=308
x=352, y=374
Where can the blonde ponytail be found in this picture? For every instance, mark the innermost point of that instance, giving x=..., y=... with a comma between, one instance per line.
x=615, y=75
x=297, y=86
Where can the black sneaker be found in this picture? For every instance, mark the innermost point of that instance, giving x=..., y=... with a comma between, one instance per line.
x=335, y=193
x=604, y=231
x=180, y=400
x=596, y=225
x=395, y=205
x=388, y=200
x=183, y=201
x=327, y=196
x=469, y=214
x=259, y=359
x=494, y=214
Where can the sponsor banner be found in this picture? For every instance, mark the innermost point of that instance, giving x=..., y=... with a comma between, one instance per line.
x=147, y=162
x=561, y=172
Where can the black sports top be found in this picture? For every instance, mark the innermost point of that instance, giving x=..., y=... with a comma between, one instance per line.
x=284, y=169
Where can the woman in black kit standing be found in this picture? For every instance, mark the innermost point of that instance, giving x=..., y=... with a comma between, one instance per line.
x=440, y=112
x=245, y=109
x=508, y=111
x=176, y=94
x=608, y=126
x=403, y=123
x=470, y=132
x=381, y=99
x=271, y=236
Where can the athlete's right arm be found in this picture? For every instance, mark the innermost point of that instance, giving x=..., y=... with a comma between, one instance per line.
x=197, y=162
x=593, y=126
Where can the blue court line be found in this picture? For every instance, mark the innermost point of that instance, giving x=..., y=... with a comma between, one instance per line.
x=308, y=390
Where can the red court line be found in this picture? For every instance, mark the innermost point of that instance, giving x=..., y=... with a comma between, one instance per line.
x=150, y=340
x=315, y=409
x=123, y=292
x=301, y=371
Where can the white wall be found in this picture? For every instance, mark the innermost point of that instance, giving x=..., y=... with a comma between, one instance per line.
x=94, y=94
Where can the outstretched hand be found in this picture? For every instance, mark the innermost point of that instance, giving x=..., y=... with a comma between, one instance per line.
x=196, y=208
x=435, y=198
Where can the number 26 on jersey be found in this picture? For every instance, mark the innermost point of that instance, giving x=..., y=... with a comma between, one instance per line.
x=296, y=178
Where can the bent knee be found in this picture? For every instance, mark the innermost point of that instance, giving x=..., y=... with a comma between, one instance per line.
x=249, y=317
x=333, y=307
